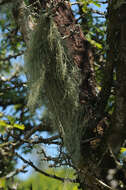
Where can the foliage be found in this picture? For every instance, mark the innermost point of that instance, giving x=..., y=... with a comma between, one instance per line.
x=54, y=83
x=122, y=155
x=13, y=86
x=93, y=23
x=85, y=4
x=47, y=183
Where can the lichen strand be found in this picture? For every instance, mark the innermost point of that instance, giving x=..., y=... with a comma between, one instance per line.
x=54, y=81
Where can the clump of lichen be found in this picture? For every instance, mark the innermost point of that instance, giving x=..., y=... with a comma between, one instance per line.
x=54, y=81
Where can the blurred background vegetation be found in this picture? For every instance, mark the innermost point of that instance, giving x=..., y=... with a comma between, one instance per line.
x=15, y=118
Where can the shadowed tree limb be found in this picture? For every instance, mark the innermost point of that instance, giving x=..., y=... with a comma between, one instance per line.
x=43, y=172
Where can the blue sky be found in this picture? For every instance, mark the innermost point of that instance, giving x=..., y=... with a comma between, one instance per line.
x=52, y=150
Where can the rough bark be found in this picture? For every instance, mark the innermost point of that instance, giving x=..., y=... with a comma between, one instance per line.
x=80, y=50
x=118, y=56
x=95, y=159
x=116, y=43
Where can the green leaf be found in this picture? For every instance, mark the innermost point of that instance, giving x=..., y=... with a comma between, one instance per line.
x=15, y=125
x=1, y=114
x=19, y=126
x=93, y=42
x=3, y=123
x=96, y=3
x=2, y=183
x=11, y=119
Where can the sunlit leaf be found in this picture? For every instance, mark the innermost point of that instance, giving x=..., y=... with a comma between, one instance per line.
x=18, y=126
x=2, y=183
x=11, y=119
x=15, y=125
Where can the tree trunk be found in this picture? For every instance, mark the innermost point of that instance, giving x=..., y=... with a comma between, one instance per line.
x=95, y=156
x=118, y=56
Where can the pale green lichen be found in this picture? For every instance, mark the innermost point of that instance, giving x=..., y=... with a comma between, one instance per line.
x=54, y=81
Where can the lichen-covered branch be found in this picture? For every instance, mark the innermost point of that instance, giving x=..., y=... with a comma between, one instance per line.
x=54, y=79
x=59, y=67
x=23, y=19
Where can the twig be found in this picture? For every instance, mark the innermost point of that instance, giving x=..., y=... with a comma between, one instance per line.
x=91, y=139
x=114, y=157
x=45, y=173
x=13, y=75
x=98, y=12
x=104, y=184
x=50, y=140
x=102, y=14
x=32, y=131
x=11, y=57
x=39, y=141
x=17, y=171
x=76, y=3
x=26, y=137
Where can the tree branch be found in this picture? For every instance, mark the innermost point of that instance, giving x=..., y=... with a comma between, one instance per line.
x=45, y=173
x=17, y=171
x=11, y=57
x=42, y=140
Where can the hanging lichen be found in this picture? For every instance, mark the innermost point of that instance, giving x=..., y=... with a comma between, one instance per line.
x=53, y=79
